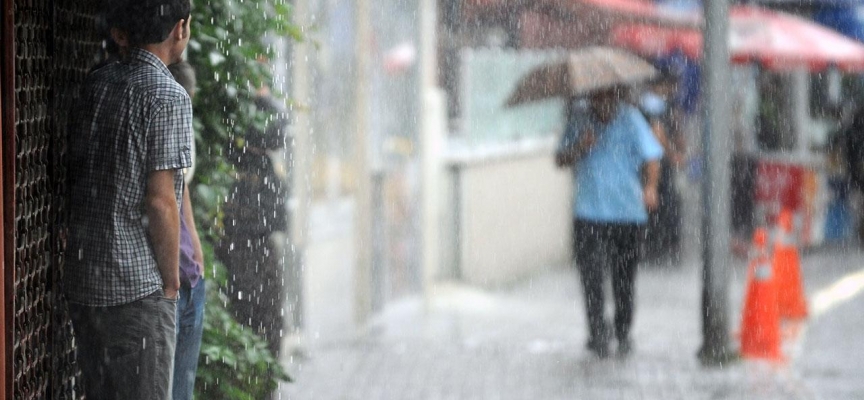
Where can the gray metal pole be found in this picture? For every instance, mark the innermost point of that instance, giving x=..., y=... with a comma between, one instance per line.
x=716, y=194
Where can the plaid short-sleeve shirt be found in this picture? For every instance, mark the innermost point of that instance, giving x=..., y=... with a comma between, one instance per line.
x=132, y=118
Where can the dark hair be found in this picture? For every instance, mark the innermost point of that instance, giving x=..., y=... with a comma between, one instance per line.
x=666, y=74
x=148, y=21
x=184, y=74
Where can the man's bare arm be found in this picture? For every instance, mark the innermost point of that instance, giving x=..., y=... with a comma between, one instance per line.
x=164, y=228
x=652, y=180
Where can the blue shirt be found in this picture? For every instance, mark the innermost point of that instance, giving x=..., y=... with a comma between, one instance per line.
x=608, y=179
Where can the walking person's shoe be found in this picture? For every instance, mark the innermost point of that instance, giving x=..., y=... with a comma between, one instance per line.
x=625, y=347
x=598, y=348
x=598, y=340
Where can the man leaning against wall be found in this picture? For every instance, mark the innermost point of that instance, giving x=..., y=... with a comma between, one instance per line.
x=128, y=144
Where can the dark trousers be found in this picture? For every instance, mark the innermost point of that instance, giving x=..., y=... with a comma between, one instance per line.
x=663, y=230
x=607, y=248
x=126, y=351
x=256, y=271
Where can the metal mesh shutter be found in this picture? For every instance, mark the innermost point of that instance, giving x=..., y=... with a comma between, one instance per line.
x=55, y=42
x=75, y=44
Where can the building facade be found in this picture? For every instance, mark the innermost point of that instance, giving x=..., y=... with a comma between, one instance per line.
x=48, y=46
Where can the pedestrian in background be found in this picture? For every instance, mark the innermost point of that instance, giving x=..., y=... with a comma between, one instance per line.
x=615, y=161
x=663, y=231
x=255, y=215
x=190, y=304
x=128, y=145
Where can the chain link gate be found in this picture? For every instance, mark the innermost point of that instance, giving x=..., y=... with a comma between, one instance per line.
x=55, y=43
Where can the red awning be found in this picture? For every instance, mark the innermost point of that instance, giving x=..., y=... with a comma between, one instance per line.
x=776, y=40
x=583, y=10
x=658, y=41
x=634, y=10
x=490, y=9
x=783, y=41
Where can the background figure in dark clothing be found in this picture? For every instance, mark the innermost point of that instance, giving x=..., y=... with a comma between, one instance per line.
x=663, y=231
x=850, y=144
x=254, y=212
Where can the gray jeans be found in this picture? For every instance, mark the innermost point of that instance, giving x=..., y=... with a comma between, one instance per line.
x=126, y=351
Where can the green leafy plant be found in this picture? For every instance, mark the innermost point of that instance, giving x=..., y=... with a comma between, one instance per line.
x=226, y=49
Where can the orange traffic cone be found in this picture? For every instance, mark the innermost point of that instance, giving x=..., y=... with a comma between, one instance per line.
x=787, y=265
x=760, y=325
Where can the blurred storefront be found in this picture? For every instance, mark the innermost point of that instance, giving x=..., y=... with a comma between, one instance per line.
x=813, y=109
x=787, y=108
x=362, y=80
x=785, y=115
x=364, y=99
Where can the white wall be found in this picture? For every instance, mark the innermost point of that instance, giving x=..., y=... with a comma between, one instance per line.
x=514, y=217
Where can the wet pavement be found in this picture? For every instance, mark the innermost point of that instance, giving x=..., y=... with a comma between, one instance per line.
x=526, y=342
x=831, y=359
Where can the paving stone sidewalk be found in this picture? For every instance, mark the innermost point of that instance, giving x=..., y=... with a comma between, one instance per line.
x=526, y=342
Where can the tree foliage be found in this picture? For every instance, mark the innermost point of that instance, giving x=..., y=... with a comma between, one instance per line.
x=227, y=49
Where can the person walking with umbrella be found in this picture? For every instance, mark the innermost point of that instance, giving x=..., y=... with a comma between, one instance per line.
x=615, y=161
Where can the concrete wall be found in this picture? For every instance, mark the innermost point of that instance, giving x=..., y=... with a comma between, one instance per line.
x=512, y=216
